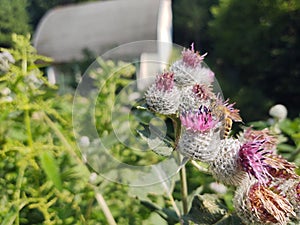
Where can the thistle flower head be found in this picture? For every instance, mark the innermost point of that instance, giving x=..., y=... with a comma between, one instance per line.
x=268, y=141
x=252, y=158
x=288, y=188
x=192, y=58
x=257, y=204
x=199, y=145
x=191, y=69
x=199, y=121
x=165, y=81
x=202, y=91
x=225, y=167
x=163, y=96
x=278, y=167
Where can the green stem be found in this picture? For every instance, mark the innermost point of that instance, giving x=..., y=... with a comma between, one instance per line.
x=184, y=189
x=24, y=62
x=182, y=172
x=61, y=137
x=28, y=128
x=17, y=194
x=200, y=168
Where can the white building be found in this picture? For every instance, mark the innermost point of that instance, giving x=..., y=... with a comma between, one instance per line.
x=64, y=32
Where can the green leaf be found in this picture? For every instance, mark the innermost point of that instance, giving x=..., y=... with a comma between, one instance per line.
x=230, y=219
x=159, y=176
x=51, y=169
x=156, y=144
x=206, y=209
x=167, y=214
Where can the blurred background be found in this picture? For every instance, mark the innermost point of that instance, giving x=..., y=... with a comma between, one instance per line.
x=253, y=45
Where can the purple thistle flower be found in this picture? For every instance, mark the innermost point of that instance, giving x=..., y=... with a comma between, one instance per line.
x=269, y=141
x=192, y=58
x=165, y=81
x=258, y=158
x=252, y=158
x=201, y=120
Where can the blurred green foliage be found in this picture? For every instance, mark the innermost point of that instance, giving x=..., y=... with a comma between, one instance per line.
x=13, y=19
x=253, y=48
x=42, y=175
x=256, y=47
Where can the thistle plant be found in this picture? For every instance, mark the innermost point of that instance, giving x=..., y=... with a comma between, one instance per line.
x=267, y=186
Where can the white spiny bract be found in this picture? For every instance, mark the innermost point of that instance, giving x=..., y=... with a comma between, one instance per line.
x=268, y=189
x=198, y=145
x=225, y=167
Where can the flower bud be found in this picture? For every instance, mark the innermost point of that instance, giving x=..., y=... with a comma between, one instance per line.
x=163, y=96
x=278, y=111
x=191, y=69
x=225, y=167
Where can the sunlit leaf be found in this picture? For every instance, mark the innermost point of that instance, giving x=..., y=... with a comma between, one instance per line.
x=51, y=169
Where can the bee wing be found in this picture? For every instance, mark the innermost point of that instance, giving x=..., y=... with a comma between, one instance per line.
x=236, y=117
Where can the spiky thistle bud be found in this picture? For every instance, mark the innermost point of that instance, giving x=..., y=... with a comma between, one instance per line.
x=256, y=204
x=225, y=167
x=191, y=69
x=163, y=96
x=198, y=140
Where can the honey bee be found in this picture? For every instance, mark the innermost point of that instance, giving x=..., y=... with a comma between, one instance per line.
x=226, y=114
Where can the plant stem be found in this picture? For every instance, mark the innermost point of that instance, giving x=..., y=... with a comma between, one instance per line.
x=200, y=168
x=107, y=213
x=61, y=137
x=18, y=191
x=182, y=172
x=184, y=189
x=28, y=128
x=22, y=167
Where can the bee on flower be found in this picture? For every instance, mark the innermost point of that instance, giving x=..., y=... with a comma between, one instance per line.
x=226, y=114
